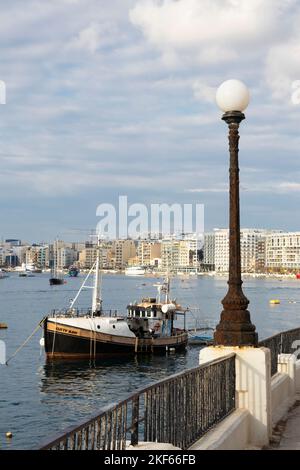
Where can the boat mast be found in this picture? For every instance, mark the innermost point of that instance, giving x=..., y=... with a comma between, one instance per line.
x=55, y=254
x=97, y=301
x=166, y=283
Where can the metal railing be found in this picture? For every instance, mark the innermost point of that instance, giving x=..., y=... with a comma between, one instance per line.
x=282, y=343
x=78, y=312
x=177, y=410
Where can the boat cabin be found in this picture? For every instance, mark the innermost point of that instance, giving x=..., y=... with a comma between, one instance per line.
x=150, y=318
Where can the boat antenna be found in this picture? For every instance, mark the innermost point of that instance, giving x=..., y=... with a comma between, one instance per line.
x=97, y=300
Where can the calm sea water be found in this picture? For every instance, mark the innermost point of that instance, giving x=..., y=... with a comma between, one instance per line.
x=38, y=399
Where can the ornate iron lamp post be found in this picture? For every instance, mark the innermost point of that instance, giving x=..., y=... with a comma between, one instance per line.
x=235, y=327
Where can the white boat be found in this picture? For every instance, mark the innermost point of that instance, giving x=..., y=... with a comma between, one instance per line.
x=148, y=327
x=3, y=274
x=27, y=267
x=135, y=271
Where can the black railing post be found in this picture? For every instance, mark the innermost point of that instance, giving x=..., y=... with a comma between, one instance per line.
x=135, y=421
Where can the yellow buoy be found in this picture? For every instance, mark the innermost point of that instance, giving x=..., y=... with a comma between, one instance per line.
x=9, y=435
x=274, y=302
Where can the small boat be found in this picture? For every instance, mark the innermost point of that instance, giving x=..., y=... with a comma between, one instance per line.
x=274, y=301
x=3, y=326
x=55, y=281
x=27, y=268
x=55, y=278
x=3, y=274
x=204, y=339
x=26, y=274
x=148, y=327
x=135, y=271
x=73, y=271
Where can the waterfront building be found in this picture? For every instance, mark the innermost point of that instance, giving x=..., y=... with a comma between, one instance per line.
x=62, y=255
x=209, y=251
x=37, y=255
x=65, y=257
x=11, y=242
x=283, y=251
x=147, y=252
x=88, y=256
x=2, y=256
x=179, y=255
x=252, y=249
x=123, y=251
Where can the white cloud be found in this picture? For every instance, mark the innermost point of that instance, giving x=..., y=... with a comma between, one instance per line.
x=95, y=36
x=208, y=26
x=204, y=92
x=285, y=187
x=283, y=68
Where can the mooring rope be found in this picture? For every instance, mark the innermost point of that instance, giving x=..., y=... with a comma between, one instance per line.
x=26, y=341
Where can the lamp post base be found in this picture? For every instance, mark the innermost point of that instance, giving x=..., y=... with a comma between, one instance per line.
x=235, y=329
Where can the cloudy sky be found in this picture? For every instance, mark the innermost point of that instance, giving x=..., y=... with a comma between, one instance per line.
x=109, y=98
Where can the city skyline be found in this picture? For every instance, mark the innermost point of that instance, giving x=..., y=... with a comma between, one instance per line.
x=112, y=102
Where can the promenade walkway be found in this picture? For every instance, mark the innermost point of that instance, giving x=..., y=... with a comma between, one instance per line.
x=287, y=433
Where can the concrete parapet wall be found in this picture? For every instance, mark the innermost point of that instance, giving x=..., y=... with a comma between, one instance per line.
x=281, y=400
x=298, y=377
x=232, y=433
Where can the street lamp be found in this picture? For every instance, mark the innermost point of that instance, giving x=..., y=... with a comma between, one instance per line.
x=235, y=327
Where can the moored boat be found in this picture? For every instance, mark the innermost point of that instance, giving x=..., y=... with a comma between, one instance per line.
x=56, y=279
x=135, y=271
x=3, y=274
x=73, y=271
x=148, y=327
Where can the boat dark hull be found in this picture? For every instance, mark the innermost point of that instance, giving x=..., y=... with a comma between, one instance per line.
x=55, y=281
x=63, y=342
x=73, y=273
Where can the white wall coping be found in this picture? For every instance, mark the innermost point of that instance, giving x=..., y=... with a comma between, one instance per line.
x=231, y=433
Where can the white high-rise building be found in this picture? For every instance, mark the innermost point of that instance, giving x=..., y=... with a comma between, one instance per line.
x=251, y=249
x=209, y=251
x=283, y=251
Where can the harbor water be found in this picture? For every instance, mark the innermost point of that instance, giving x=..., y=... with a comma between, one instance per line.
x=38, y=399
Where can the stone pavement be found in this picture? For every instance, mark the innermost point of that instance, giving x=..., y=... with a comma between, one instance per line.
x=286, y=435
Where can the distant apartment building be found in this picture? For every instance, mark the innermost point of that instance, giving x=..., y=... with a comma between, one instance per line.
x=148, y=253
x=283, y=251
x=13, y=242
x=252, y=249
x=65, y=257
x=123, y=250
x=14, y=255
x=62, y=255
x=179, y=255
x=2, y=256
x=209, y=252
x=38, y=255
x=88, y=256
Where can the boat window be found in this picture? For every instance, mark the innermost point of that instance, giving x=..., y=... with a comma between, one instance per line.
x=114, y=326
x=98, y=326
